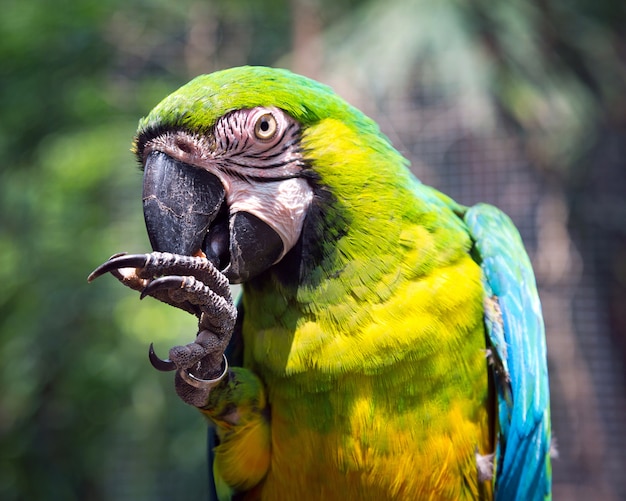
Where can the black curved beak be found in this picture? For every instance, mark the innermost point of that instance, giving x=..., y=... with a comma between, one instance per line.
x=179, y=204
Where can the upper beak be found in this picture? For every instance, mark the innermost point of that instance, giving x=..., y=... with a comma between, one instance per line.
x=179, y=204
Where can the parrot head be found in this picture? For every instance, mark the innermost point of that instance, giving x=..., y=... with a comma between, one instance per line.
x=237, y=162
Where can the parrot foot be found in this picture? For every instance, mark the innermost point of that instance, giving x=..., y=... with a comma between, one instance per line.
x=200, y=367
x=199, y=383
x=195, y=285
x=190, y=378
x=190, y=283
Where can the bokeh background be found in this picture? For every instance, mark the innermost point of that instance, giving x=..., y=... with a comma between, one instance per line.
x=518, y=103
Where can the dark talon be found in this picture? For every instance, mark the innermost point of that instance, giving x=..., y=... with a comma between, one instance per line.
x=119, y=261
x=170, y=282
x=160, y=365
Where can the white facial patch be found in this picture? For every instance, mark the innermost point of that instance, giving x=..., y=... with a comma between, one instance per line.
x=282, y=205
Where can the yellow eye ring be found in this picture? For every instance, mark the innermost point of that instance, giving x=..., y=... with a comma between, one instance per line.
x=265, y=127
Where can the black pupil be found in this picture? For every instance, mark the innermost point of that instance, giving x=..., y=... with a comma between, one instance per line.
x=265, y=125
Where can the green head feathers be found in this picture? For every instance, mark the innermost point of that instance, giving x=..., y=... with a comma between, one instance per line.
x=346, y=147
x=197, y=105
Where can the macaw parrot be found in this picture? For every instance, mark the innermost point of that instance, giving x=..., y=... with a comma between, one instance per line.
x=388, y=342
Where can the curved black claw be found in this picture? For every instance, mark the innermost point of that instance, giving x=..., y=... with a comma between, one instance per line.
x=170, y=282
x=160, y=365
x=118, y=261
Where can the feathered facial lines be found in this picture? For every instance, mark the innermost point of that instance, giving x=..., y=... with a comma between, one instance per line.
x=260, y=144
x=263, y=180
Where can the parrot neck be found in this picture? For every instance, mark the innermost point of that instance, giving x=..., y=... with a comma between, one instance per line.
x=372, y=231
x=347, y=244
x=368, y=219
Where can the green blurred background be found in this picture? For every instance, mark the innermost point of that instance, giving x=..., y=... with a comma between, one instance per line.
x=517, y=103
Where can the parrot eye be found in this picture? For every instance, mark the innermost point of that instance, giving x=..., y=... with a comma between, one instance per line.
x=265, y=127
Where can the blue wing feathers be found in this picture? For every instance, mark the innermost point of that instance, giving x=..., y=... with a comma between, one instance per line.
x=517, y=337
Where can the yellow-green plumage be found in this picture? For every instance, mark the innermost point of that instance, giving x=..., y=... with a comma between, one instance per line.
x=365, y=348
x=376, y=376
x=383, y=411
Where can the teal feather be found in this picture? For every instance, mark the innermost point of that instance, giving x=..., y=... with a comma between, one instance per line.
x=517, y=339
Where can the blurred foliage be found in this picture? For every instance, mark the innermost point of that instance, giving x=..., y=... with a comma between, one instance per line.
x=554, y=69
x=82, y=413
